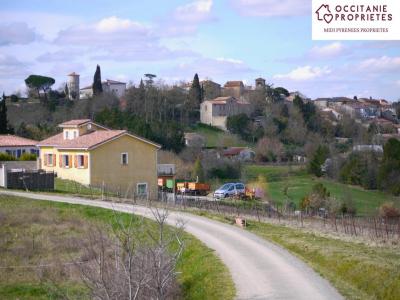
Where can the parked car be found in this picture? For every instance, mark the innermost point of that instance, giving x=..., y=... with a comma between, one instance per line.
x=230, y=190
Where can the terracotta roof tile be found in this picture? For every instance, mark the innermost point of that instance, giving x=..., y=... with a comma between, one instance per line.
x=85, y=141
x=8, y=140
x=75, y=122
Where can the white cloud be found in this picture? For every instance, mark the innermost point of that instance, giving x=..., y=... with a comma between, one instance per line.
x=380, y=64
x=65, y=54
x=185, y=19
x=194, y=12
x=272, y=8
x=16, y=33
x=11, y=67
x=47, y=24
x=304, y=73
x=108, y=31
x=327, y=51
x=114, y=24
x=116, y=39
x=230, y=60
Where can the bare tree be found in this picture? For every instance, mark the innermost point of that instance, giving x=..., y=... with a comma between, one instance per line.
x=132, y=259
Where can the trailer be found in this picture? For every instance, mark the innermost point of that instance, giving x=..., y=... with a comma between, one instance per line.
x=198, y=188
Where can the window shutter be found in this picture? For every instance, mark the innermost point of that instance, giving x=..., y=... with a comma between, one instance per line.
x=54, y=160
x=45, y=160
x=60, y=162
x=85, y=161
x=75, y=161
x=70, y=161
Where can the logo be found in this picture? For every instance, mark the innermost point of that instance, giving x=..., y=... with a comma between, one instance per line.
x=324, y=13
x=356, y=20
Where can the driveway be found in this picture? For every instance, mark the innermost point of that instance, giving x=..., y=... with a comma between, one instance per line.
x=260, y=269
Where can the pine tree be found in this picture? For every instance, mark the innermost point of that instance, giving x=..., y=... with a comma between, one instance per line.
x=97, y=87
x=3, y=116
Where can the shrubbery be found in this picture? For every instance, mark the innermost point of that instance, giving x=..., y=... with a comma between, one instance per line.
x=319, y=157
x=23, y=157
x=361, y=169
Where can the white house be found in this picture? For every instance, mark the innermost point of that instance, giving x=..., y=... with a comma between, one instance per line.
x=109, y=86
x=16, y=146
x=215, y=112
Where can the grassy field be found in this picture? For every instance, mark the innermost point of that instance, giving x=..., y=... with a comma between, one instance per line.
x=33, y=232
x=218, y=138
x=299, y=183
x=357, y=270
x=74, y=188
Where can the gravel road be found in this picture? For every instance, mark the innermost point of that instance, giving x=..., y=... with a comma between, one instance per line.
x=260, y=269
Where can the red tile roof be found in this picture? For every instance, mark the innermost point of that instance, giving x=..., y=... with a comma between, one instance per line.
x=220, y=100
x=233, y=151
x=85, y=141
x=8, y=140
x=75, y=122
x=109, y=81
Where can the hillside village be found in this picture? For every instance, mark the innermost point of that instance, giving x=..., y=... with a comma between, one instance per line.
x=199, y=149
x=218, y=126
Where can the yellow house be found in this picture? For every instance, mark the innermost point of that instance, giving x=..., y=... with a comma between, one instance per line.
x=94, y=155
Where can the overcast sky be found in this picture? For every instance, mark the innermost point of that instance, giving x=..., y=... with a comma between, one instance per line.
x=221, y=40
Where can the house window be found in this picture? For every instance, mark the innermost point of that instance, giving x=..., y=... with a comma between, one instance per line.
x=66, y=135
x=49, y=159
x=142, y=189
x=65, y=161
x=124, y=158
x=74, y=134
x=80, y=161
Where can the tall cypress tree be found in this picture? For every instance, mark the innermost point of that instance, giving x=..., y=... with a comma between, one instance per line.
x=195, y=93
x=3, y=116
x=97, y=87
x=66, y=91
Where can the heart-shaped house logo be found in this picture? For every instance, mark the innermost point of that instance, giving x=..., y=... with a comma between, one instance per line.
x=324, y=13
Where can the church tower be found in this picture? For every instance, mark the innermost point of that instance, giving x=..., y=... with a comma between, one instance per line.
x=260, y=83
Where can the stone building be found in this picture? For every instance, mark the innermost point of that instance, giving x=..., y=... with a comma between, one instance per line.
x=233, y=89
x=73, y=86
x=216, y=112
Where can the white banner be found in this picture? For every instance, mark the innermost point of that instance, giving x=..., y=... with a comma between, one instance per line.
x=356, y=19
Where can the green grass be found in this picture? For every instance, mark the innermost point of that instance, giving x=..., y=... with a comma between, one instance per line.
x=71, y=187
x=300, y=183
x=357, y=270
x=202, y=274
x=218, y=138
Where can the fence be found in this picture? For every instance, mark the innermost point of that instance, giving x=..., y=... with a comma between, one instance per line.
x=371, y=228
x=30, y=180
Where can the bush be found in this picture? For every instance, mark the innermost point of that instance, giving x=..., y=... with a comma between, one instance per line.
x=239, y=124
x=389, y=172
x=14, y=98
x=226, y=171
x=318, y=159
x=269, y=149
x=388, y=210
x=28, y=157
x=6, y=157
x=361, y=169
